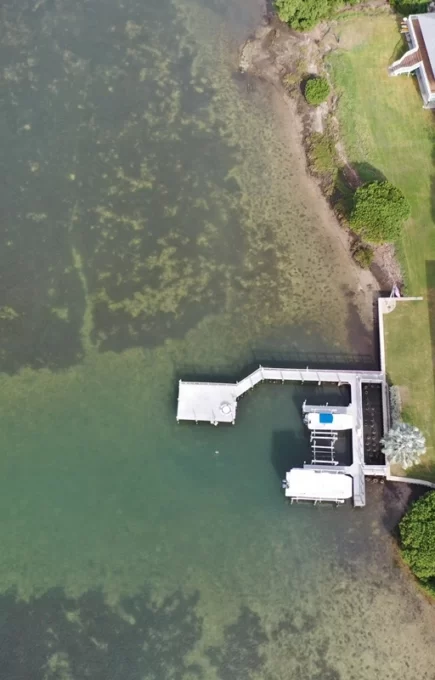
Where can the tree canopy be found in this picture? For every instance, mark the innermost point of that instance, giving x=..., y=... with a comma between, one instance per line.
x=304, y=14
x=379, y=210
x=407, y=7
x=417, y=536
x=316, y=90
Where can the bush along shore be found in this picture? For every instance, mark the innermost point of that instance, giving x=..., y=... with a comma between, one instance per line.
x=296, y=63
x=417, y=541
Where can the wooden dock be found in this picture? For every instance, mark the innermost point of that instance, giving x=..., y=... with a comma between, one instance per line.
x=217, y=403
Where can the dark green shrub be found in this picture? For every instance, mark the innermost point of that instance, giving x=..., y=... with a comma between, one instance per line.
x=378, y=212
x=407, y=7
x=291, y=81
x=363, y=255
x=321, y=152
x=322, y=158
x=304, y=14
x=316, y=91
x=417, y=539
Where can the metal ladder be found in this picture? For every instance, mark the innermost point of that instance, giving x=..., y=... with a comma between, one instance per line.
x=323, y=447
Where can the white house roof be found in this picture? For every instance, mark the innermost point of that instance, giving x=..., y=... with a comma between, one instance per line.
x=427, y=25
x=319, y=485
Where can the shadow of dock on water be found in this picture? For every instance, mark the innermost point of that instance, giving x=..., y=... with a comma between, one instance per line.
x=289, y=450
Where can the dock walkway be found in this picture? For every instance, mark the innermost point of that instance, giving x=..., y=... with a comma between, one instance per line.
x=217, y=403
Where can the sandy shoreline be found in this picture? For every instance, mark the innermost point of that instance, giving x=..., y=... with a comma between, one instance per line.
x=273, y=51
x=363, y=283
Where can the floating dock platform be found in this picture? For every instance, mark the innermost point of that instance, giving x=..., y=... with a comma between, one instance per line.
x=217, y=403
x=207, y=402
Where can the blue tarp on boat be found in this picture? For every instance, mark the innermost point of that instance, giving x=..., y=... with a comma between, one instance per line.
x=326, y=418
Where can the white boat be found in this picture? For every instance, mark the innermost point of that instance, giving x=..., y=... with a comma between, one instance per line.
x=327, y=420
x=303, y=484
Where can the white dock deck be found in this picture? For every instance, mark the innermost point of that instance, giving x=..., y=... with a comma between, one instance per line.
x=207, y=402
x=217, y=403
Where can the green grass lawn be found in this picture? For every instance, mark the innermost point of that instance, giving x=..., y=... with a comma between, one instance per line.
x=385, y=130
x=409, y=366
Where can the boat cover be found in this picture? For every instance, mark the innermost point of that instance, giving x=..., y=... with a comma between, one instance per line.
x=318, y=485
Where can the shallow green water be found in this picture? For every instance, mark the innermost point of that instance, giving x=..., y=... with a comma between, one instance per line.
x=156, y=224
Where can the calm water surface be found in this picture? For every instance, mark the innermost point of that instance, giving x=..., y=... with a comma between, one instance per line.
x=156, y=223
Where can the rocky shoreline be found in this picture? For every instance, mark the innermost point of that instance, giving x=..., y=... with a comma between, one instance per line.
x=285, y=59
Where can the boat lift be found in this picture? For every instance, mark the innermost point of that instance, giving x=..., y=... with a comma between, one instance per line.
x=323, y=447
x=324, y=423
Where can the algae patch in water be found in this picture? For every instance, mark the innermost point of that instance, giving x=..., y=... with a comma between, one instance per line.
x=126, y=148
x=125, y=168
x=175, y=217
